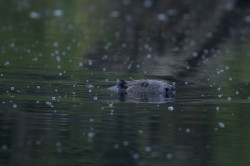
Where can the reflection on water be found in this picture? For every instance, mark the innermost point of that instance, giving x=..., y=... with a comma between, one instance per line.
x=59, y=57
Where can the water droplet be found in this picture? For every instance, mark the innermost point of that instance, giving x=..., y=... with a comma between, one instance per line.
x=169, y=156
x=80, y=64
x=58, y=13
x=161, y=17
x=91, y=134
x=147, y=149
x=170, y=108
x=187, y=130
x=7, y=63
x=125, y=143
x=35, y=15
x=221, y=125
x=14, y=106
x=147, y=3
x=116, y=146
x=136, y=156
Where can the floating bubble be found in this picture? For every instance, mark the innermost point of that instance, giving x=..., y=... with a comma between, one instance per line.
x=170, y=108
x=35, y=15
x=58, y=13
x=169, y=155
x=221, y=125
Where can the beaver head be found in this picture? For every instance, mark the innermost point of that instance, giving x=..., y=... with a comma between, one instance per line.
x=143, y=87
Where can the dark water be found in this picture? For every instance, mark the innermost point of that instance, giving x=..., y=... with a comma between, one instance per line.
x=58, y=57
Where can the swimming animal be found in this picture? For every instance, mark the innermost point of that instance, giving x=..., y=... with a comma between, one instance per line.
x=143, y=87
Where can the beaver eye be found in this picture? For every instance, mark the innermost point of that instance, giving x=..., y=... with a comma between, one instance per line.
x=145, y=84
x=166, y=89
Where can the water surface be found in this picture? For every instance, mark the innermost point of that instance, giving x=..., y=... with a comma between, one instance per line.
x=58, y=58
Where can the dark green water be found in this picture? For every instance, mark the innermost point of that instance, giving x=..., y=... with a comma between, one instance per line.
x=58, y=57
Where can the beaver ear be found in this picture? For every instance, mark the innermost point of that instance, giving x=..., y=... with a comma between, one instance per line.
x=121, y=84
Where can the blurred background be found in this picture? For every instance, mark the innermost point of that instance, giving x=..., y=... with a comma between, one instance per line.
x=58, y=57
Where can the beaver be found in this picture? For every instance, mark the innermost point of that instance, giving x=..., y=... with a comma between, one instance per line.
x=143, y=87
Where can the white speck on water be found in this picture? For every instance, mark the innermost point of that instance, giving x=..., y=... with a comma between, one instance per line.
x=53, y=98
x=140, y=131
x=12, y=45
x=49, y=104
x=227, y=67
x=38, y=86
x=37, y=102
x=35, y=15
x=14, y=106
x=80, y=64
x=187, y=130
x=1, y=74
x=217, y=108
x=125, y=143
x=194, y=54
x=237, y=92
x=229, y=6
x=186, y=83
x=147, y=149
x=229, y=98
x=4, y=147
x=90, y=62
x=230, y=78
x=220, y=95
x=136, y=156
x=171, y=12
x=111, y=105
x=221, y=124
x=90, y=90
x=58, y=58
x=116, y=146
x=95, y=98
x=58, y=144
x=162, y=17
x=115, y=13
x=170, y=108
x=38, y=142
x=169, y=156
x=58, y=13
x=209, y=35
x=149, y=56
x=247, y=19
x=91, y=134
x=91, y=120
x=219, y=89
x=7, y=63
x=55, y=44
x=12, y=88
x=147, y=3
x=104, y=69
